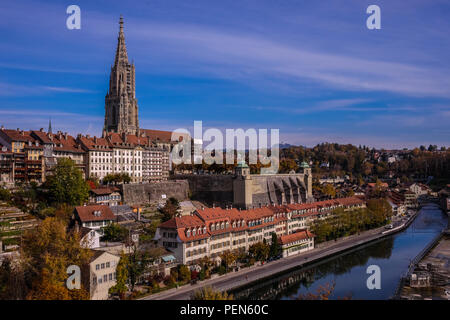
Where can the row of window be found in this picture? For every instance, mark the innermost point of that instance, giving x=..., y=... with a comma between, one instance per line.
x=105, y=278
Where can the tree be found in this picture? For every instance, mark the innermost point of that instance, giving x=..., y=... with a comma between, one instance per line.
x=228, y=258
x=208, y=293
x=184, y=274
x=121, y=277
x=5, y=194
x=47, y=252
x=322, y=293
x=66, y=185
x=170, y=209
x=114, y=232
x=275, y=248
x=260, y=251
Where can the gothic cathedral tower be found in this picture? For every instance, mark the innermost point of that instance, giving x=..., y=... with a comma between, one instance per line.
x=121, y=109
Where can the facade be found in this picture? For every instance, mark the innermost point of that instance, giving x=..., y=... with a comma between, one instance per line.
x=90, y=238
x=94, y=217
x=100, y=274
x=109, y=196
x=212, y=231
x=295, y=243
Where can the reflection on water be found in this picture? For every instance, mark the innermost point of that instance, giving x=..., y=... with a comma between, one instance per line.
x=392, y=254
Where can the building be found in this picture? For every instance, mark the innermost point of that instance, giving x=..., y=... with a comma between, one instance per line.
x=109, y=196
x=419, y=189
x=100, y=274
x=212, y=231
x=94, y=217
x=6, y=167
x=295, y=243
x=121, y=109
x=397, y=202
x=89, y=238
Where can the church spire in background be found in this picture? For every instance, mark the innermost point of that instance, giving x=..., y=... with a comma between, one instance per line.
x=50, y=125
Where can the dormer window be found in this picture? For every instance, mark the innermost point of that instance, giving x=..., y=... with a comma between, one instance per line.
x=188, y=233
x=227, y=225
x=234, y=224
x=193, y=232
x=222, y=225
x=212, y=227
x=204, y=230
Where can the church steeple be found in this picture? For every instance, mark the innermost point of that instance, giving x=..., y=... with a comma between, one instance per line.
x=50, y=125
x=121, y=51
x=121, y=109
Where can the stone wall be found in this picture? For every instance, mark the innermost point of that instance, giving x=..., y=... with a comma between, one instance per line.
x=149, y=192
x=210, y=188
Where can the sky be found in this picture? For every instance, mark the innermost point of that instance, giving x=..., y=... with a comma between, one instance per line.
x=311, y=69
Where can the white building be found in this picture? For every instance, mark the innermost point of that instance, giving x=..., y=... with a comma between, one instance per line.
x=100, y=274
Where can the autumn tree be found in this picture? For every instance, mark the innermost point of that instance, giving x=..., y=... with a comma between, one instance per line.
x=47, y=251
x=208, y=293
x=228, y=258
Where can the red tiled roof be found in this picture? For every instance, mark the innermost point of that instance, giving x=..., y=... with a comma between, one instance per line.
x=103, y=191
x=300, y=235
x=86, y=213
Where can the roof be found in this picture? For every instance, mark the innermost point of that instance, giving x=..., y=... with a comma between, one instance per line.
x=104, y=191
x=207, y=216
x=87, y=213
x=304, y=165
x=300, y=235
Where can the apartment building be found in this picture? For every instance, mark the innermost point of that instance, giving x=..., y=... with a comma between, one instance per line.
x=212, y=231
x=100, y=274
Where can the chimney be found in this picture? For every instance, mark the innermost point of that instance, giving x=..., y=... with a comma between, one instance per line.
x=214, y=205
x=88, y=136
x=95, y=139
x=203, y=208
x=41, y=129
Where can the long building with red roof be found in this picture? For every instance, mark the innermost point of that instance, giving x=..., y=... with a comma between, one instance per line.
x=212, y=231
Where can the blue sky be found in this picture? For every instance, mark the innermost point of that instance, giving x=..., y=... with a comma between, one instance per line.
x=309, y=68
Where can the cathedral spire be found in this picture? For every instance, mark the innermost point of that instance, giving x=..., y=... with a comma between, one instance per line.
x=121, y=108
x=121, y=52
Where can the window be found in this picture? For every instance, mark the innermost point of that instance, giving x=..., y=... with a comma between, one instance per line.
x=103, y=266
x=97, y=267
x=105, y=278
x=107, y=264
x=110, y=276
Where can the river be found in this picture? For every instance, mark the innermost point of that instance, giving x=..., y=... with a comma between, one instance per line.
x=348, y=270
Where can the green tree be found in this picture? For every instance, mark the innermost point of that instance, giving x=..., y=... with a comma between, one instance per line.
x=275, y=248
x=121, y=277
x=170, y=209
x=66, y=185
x=114, y=232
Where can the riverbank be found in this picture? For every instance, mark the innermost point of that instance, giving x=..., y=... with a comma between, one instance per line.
x=246, y=276
x=428, y=276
